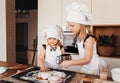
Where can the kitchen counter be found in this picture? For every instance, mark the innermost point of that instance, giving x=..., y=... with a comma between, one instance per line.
x=77, y=78
x=108, y=60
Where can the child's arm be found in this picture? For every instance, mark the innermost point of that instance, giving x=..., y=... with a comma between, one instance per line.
x=63, y=50
x=41, y=60
x=89, y=44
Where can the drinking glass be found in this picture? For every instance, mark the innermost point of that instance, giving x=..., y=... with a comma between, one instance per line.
x=103, y=72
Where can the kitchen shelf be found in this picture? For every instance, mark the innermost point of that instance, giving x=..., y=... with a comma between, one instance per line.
x=108, y=30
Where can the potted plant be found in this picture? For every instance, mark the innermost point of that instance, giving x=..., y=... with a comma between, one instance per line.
x=106, y=44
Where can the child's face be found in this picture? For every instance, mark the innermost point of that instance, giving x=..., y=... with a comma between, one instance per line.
x=74, y=27
x=52, y=41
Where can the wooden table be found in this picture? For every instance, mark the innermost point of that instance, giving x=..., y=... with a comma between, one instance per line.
x=12, y=71
x=76, y=79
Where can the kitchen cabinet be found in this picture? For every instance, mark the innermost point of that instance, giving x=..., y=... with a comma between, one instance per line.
x=65, y=4
x=49, y=12
x=106, y=19
x=106, y=12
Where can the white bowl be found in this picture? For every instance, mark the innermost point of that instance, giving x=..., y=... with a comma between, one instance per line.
x=115, y=72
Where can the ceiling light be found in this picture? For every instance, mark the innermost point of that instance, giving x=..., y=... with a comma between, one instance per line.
x=22, y=13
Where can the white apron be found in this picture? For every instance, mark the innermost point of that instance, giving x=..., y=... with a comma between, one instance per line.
x=50, y=58
x=92, y=67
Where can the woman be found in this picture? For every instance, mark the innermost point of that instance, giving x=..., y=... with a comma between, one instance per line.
x=79, y=19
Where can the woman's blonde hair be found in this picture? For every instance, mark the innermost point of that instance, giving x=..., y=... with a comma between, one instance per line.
x=84, y=30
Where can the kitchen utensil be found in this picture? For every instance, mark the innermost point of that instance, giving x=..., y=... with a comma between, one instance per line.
x=116, y=74
x=63, y=57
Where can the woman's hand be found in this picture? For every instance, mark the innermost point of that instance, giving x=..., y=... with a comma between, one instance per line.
x=65, y=64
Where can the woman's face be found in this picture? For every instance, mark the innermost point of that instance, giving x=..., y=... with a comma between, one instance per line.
x=52, y=41
x=74, y=27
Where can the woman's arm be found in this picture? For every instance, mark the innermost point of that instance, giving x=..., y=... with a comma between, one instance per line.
x=89, y=44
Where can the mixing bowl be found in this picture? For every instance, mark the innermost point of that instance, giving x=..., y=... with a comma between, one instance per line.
x=115, y=72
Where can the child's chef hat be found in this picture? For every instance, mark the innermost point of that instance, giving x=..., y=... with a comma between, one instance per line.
x=78, y=13
x=52, y=31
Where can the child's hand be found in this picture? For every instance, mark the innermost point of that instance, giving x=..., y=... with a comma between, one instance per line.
x=44, y=69
x=64, y=64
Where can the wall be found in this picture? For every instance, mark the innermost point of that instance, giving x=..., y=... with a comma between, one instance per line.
x=3, y=56
x=32, y=26
x=48, y=13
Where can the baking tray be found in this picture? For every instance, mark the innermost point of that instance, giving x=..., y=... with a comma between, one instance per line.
x=34, y=70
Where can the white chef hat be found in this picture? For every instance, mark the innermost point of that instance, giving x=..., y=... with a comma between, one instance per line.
x=78, y=13
x=52, y=31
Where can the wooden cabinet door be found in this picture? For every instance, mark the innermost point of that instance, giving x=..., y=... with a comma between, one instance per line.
x=106, y=11
x=49, y=12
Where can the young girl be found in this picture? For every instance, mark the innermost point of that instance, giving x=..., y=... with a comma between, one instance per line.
x=79, y=19
x=52, y=49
